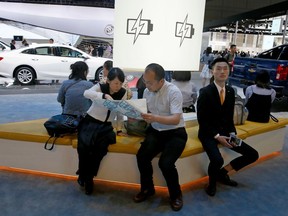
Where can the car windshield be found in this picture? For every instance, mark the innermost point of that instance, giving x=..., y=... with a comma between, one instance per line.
x=4, y=44
x=284, y=54
x=271, y=54
x=2, y=47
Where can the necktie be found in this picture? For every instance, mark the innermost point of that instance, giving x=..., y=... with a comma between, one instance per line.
x=222, y=96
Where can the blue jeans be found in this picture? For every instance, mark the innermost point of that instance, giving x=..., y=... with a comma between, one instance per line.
x=171, y=144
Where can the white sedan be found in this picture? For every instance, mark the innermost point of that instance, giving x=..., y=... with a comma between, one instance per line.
x=46, y=62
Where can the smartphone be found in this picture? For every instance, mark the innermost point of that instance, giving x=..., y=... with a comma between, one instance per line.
x=237, y=141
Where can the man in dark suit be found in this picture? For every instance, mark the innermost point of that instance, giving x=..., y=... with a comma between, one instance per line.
x=100, y=51
x=215, y=117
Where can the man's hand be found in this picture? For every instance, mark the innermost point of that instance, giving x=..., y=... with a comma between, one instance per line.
x=148, y=117
x=173, y=119
x=223, y=140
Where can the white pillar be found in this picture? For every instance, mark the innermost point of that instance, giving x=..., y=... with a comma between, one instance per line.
x=285, y=27
x=235, y=34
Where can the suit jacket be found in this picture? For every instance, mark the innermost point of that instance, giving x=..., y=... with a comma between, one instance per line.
x=213, y=117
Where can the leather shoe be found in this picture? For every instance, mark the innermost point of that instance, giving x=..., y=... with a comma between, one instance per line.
x=211, y=190
x=89, y=184
x=81, y=181
x=227, y=181
x=143, y=195
x=177, y=204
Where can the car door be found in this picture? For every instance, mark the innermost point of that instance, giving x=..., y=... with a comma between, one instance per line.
x=68, y=56
x=47, y=64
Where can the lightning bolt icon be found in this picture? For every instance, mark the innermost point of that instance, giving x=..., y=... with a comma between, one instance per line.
x=183, y=30
x=138, y=26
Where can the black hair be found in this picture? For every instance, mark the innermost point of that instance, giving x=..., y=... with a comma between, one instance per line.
x=208, y=51
x=108, y=64
x=157, y=69
x=232, y=45
x=181, y=75
x=221, y=59
x=78, y=70
x=116, y=72
x=262, y=79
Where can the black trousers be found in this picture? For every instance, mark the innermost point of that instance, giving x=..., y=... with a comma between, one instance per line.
x=171, y=144
x=90, y=159
x=210, y=145
x=94, y=138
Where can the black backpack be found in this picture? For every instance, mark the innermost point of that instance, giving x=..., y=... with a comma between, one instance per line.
x=60, y=125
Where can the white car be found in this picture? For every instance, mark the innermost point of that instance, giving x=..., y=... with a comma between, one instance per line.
x=46, y=62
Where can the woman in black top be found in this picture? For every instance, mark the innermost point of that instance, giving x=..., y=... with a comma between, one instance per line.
x=259, y=98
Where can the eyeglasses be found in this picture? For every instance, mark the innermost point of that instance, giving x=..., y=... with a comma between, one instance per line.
x=150, y=83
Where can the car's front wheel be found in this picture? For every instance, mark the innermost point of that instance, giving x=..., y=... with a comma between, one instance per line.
x=99, y=74
x=25, y=76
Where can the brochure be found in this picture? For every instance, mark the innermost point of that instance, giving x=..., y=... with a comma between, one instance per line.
x=130, y=108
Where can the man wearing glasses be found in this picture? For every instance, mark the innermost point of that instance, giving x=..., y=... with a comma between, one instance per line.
x=166, y=135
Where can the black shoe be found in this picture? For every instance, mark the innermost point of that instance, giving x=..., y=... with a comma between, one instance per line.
x=80, y=181
x=77, y=172
x=143, y=195
x=211, y=190
x=177, y=204
x=227, y=181
x=89, y=184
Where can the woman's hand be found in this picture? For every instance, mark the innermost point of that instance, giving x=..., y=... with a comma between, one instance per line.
x=108, y=97
x=122, y=134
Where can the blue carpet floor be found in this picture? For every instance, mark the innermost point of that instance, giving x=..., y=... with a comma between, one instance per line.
x=262, y=190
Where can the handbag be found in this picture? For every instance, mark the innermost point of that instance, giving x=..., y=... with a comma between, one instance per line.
x=273, y=118
x=60, y=125
x=240, y=113
x=136, y=127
